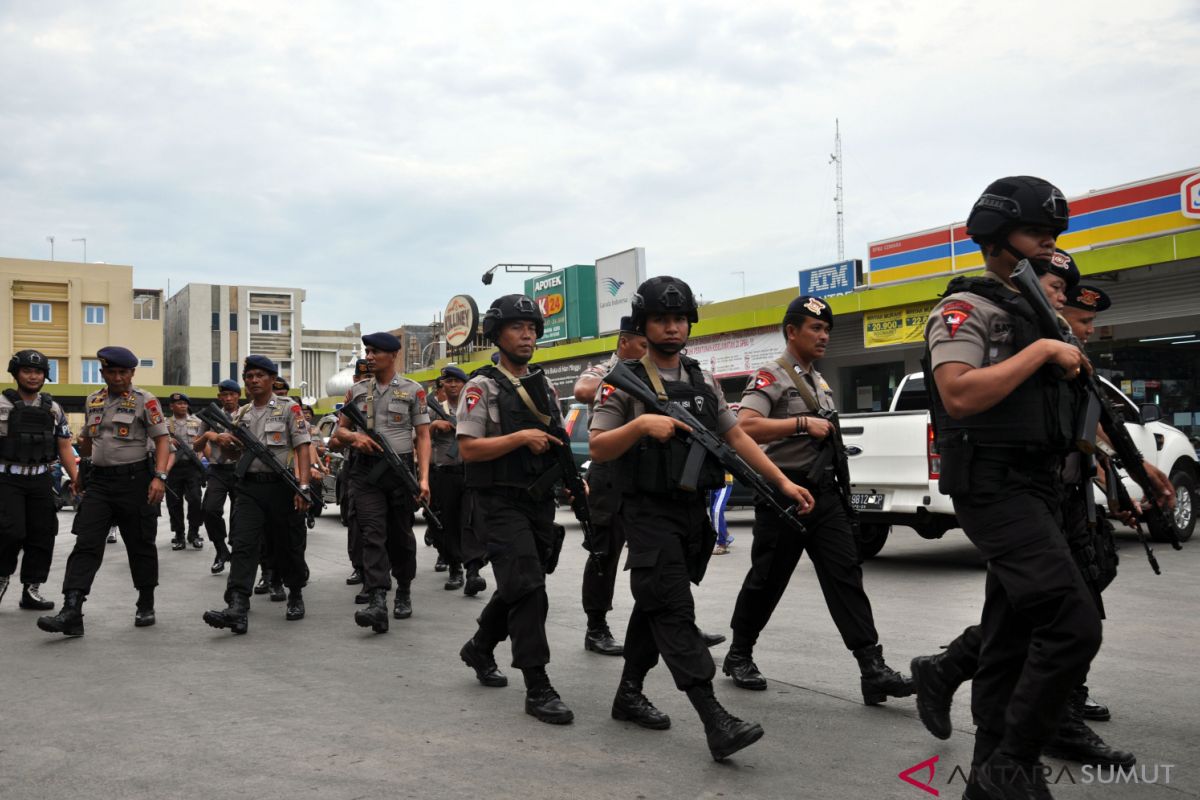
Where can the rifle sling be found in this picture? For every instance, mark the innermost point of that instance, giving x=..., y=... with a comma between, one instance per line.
x=523, y=393
x=806, y=392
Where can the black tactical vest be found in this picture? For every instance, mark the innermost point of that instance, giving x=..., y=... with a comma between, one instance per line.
x=519, y=468
x=1039, y=414
x=653, y=466
x=30, y=438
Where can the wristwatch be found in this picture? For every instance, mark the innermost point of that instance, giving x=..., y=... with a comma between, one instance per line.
x=304, y=487
x=162, y=476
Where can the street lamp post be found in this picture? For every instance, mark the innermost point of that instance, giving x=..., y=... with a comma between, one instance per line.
x=50, y=239
x=488, y=276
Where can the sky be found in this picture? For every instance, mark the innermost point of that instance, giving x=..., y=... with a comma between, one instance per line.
x=384, y=155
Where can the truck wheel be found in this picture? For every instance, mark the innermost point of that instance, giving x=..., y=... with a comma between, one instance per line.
x=873, y=537
x=1184, y=516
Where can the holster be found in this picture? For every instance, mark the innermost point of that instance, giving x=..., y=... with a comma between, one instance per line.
x=550, y=559
x=955, y=477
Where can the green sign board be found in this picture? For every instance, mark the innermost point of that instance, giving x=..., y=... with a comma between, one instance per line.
x=567, y=298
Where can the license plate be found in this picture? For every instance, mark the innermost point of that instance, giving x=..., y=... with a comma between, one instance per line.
x=867, y=502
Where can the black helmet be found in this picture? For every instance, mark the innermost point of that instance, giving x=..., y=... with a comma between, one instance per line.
x=28, y=358
x=1019, y=200
x=509, y=308
x=663, y=295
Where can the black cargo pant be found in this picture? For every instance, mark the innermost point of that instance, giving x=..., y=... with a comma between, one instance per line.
x=670, y=541
x=446, y=496
x=354, y=548
x=518, y=534
x=184, y=483
x=384, y=514
x=600, y=576
x=29, y=522
x=221, y=485
x=115, y=496
x=263, y=511
x=776, y=551
x=1039, y=627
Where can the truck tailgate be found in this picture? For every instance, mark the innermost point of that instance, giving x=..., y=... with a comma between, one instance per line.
x=887, y=449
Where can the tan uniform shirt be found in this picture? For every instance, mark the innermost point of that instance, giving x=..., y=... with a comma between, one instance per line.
x=279, y=424
x=120, y=425
x=398, y=407
x=967, y=328
x=599, y=371
x=184, y=431
x=614, y=408
x=773, y=394
x=479, y=408
x=445, y=445
x=216, y=453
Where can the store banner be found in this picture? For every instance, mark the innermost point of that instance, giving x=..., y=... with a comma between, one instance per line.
x=567, y=298
x=617, y=278
x=730, y=355
x=896, y=325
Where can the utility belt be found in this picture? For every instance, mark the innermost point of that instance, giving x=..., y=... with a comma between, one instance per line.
x=136, y=468
x=223, y=467
x=674, y=495
x=450, y=469
x=959, y=460
x=369, y=462
x=513, y=493
x=24, y=469
x=262, y=477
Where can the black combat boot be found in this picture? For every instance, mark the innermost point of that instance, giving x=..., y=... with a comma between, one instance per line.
x=362, y=598
x=454, y=580
x=1096, y=712
x=177, y=542
x=483, y=662
x=440, y=565
x=1003, y=777
x=630, y=705
x=354, y=579
x=739, y=665
x=232, y=617
x=218, y=565
x=599, y=639
x=712, y=639
x=195, y=541
x=1075, y=741
x=68, y=621
x=726, y=733
x=31, y=598
x=277, y=592
x=542, y=701
x=879, y=681
x=143, y=617
x=264, y=582
x=475, y=582
x=4, y=581
x=403, y=604
x=295, y=604
x=935, y=680
x=375, y=615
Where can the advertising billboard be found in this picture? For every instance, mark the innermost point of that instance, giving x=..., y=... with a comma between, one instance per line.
x=617, y=278
x=461, y=320
x=567, y=298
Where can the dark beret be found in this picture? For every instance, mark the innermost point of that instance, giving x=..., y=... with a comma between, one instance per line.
x=362, y=367
x=382, y=341
x=1088, y=298
x=496, y=357
x=1062, y=265
x=229, y=386
x=280, y=384
x=808, y=306
x=260, y=362
x=179, y=397
x=452, y=371
x=117, y=357
x=627, y=326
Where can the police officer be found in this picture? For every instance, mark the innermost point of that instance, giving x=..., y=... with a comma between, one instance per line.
x=394, y=406
x=446, y=476
x=123, y=486
x=781, y=411
x=1004, y=420
x=184, y=479
x=265, y=506
x=667, y=527
x=504, y=418
x=604, y=502
x=1083, y=303
x=222, y=482
x=33, y=433
x=362, y=372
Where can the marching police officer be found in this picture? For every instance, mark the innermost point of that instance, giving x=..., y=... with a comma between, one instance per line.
x=33, y=433
x=667, y=527
x=265, y=506
x=185, y=479
x=604, y=502
x=362, y=371
x=504, y=418
x=222, y=476
x=446, y=476
x=123, y=486
x=394, y=406
x=782, y=410
x=1004, y=420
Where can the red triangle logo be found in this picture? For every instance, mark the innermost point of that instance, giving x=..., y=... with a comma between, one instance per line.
x=927, y=764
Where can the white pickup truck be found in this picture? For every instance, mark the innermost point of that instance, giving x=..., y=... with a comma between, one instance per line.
x=894, y=465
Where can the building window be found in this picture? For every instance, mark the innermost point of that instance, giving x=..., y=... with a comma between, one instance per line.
x=94, y=315
x=268, y=323
x=91, y=371
x=233, y=371
x=53, y=376
x=145, y=306
x=216, y=321
x=233, y=321
x=145, y=362
x=39, y=312
x=216, y=372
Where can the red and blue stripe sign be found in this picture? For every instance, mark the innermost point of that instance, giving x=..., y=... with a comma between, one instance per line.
x=1153, y=207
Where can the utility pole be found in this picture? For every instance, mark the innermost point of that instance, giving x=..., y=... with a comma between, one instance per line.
x=838, y=198
x=84, y=240
x=50, y=239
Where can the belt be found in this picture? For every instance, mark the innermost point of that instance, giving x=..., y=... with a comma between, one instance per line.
x=120, y=469
x=456, y=469
x=24, y=469
x=261, y=477
x=223, y=467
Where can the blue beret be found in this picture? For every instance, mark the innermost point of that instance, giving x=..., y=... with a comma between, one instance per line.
x=1088, y=298
x=452, y=371
x=1062, y=265
x=179, y=397
x=260, y=362
x=279, y=383
x=382, y=341
x=117, y=357
x=808, y=306
x=229, y=386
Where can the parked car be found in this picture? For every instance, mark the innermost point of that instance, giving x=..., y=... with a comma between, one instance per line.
x=894, y=465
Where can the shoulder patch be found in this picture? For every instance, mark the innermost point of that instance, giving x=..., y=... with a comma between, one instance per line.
x=606, y=390
x=155, y=414
x=954, y=314
x=764, y=378
x=474, y=395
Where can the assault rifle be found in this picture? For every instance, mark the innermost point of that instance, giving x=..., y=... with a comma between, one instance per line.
x=185, y=449
x=1098, y=409
x=833, y=453
x=573, y=483
x=391, y=460
x=216, y=417
x=703, y=442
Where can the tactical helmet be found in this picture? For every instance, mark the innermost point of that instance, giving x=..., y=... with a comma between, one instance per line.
x=510, y=308
x=1019, y=200
x=28, y=358
x=663, y=295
